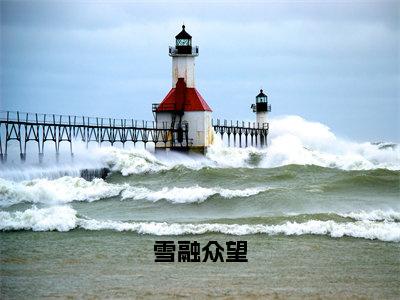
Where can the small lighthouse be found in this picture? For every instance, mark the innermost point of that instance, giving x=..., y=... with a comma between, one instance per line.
x=183, y=105
x=261, y=108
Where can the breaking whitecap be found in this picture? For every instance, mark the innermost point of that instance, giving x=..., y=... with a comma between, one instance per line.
x=64, y=218
x=68, y=189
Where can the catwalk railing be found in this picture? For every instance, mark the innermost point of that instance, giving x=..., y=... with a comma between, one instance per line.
x=244, y=134
x=42, y=128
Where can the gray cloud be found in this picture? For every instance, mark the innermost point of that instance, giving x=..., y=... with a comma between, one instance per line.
x=335, y=62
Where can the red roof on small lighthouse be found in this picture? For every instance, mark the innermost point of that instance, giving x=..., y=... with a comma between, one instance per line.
x=183, y=98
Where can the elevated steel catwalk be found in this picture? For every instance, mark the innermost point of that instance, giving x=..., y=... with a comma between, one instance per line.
x=39, y=128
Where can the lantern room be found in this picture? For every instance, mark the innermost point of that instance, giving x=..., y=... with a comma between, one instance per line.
x=261, y=104
x=183, y=45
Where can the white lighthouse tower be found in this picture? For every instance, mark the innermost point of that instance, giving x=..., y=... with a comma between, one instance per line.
x=184, y=104
x=261, y=108
x=183, y=55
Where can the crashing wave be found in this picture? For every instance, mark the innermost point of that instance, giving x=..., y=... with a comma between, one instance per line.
x=68, y=189
x=187, y=194
x=374, y=215
x=60, y=218
x=62, y=190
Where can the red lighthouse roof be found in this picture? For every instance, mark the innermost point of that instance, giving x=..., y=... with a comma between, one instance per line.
x=183, y=98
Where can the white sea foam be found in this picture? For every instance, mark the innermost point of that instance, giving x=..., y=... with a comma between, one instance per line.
x=186, y=194
x=63, y=218
x=374, y=215
x=62, y=190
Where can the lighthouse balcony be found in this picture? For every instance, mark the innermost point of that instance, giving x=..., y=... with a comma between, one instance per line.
x=184, y=51
x=261, y=107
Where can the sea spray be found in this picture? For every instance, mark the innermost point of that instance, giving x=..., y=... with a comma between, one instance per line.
x=294, y=140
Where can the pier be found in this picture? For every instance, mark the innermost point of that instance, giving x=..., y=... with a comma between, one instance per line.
x=42, y=129
x=244, y=134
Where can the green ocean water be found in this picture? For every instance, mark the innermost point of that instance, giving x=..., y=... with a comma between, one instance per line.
x=121, y=264
x=312, y=231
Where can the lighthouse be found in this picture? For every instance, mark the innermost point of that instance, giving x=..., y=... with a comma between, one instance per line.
x=183, y=106
x=261, y=108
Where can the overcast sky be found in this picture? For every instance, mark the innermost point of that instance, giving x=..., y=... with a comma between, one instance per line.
x=336, y=62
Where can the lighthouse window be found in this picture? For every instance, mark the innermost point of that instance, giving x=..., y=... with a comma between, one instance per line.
x=182, y=42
